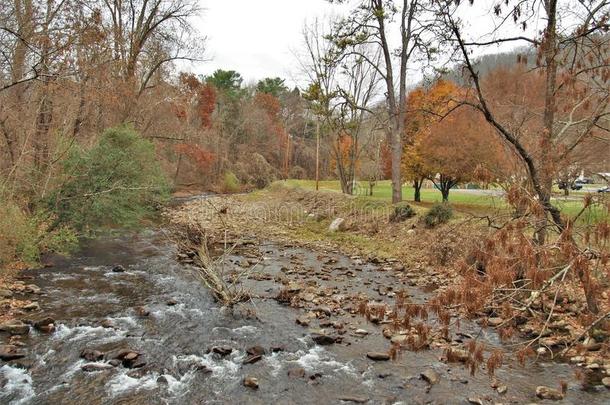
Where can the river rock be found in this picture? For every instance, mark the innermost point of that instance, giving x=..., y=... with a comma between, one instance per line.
x=337, y=225
x=606, y=382
x=322, y=339
x=93, y=367
x=118, y=269
x=431, y=376
x=303, y=321
x=32, y=306
x=91, y=354
x=137, y=362
x=256, y=350
x=15, y=327
x=251, y=382
x=552, y=394
x=106, y=323
x=11, y=352
x=222, y=350
x=46, y=325
x=377, y=356
x=502, y=389
x=361, y=332
x=253, y=358
x=171, y=302
x=495, y=321
x=296, y=372
x=32, y=289
x=142, y=311
x=475, y=400
x=5, y=293
x=354, y=399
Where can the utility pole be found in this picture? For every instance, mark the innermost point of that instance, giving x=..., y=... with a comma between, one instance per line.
x=317, y=154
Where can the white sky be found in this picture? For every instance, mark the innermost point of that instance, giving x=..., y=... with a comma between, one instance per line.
x=258, y=38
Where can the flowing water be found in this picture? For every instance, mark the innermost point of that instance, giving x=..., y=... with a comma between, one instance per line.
x=81, y=292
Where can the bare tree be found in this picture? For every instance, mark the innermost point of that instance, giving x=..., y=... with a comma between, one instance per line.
x=572, y=58
x=371, y=22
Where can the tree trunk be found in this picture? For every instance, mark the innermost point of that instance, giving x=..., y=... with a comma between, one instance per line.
x=396, y=143
x=445, y=192
x=566, y=191
x=417, y=184
x=550, y=54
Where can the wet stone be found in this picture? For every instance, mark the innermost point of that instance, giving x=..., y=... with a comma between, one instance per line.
x=45, y=325
x=296, y=373
x=91, y=355
x=552, y=394
x=93, y=367
x=15, y=327
x=430, y=376
x=251, y=382
x=377, y=356
x=322, y=339
x=252, y=359
x=11, y=352
x=353, y=399
x=222, y=350
x=118, y=269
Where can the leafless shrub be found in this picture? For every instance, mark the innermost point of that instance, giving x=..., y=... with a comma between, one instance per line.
x=224, y=281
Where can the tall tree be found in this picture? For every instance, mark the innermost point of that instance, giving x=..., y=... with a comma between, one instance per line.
x=372, y=22
x=572, y=59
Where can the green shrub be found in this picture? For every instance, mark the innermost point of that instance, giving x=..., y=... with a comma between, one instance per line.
x=438, y=214
x=24, y=237
x=402, y=212
x=230, y=183
x=117, y=182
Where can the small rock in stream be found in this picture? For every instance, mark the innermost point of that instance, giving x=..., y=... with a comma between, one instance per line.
x=118, y=269
x=91, y=354
x=354, y=399
x=552, y=394
x=32, y=306
x=222, y=350
x=303, y=321
x=378, y=356
x=11, y=352
x=252, y=359
x=5, y=293
x=142, y=311
x=296, y=373
x=256, y=351
x=475, y=400
x=251, y=382
x=46, y=325
x=15, y=327
x=431, y=376
x=93, y=367
x=171, y=302
x=322, y=339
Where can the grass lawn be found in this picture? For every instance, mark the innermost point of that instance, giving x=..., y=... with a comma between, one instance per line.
x=460, y=199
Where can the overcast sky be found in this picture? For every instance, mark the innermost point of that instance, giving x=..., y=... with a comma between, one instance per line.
x=258, y=38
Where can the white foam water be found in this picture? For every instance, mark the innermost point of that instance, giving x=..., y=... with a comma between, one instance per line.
x=221, y=368
x=317, y=358
x=18, y=385
x=99, y=333
x=122, y=382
